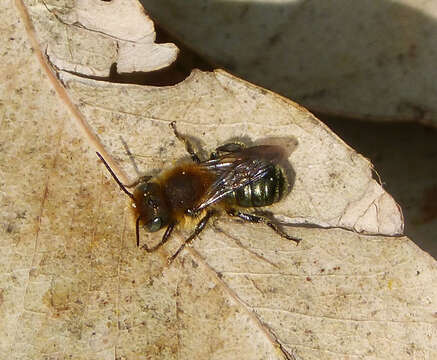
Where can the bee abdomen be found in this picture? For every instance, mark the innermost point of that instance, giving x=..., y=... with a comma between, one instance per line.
x=266, y=191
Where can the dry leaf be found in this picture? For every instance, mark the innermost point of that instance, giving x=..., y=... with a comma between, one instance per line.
x=371, y=60
x=73, y=284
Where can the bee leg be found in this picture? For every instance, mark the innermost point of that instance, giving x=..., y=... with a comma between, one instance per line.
x=164, y=239
x=199, y=227
x=188, y=145
x=260, y=219
x=231, y=147
x=227, y=148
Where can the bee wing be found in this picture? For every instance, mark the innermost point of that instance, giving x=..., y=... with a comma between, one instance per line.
x=234, y=171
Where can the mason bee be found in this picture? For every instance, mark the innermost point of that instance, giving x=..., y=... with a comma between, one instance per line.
x=234, y=178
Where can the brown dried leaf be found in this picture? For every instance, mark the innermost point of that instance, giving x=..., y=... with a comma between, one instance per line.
x=369, y=60
x=73, y=283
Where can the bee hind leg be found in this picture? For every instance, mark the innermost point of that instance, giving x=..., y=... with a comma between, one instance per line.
x=260, y=219
x=199, y=227
x=187, y=143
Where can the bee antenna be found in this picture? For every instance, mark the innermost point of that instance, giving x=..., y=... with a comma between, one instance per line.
x=137, y=230
x=122, y=187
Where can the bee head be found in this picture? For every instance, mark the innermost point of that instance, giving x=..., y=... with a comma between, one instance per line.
x=150, y=206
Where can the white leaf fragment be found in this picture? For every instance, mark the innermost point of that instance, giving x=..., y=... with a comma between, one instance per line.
x=91, y=36
x=376, y=212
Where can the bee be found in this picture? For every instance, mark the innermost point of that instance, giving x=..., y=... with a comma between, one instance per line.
x=235, y=178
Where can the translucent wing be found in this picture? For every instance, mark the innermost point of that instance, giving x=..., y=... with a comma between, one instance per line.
x=237, y=169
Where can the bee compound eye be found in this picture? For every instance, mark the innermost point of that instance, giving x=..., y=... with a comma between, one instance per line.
x=155, y=224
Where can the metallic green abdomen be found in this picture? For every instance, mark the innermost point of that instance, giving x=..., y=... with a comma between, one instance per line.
x=266, y=191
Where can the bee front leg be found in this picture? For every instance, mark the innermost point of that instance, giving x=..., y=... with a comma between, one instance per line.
x=199, y=227
x=164, y=239
x=260, y=219
x=187, y=143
